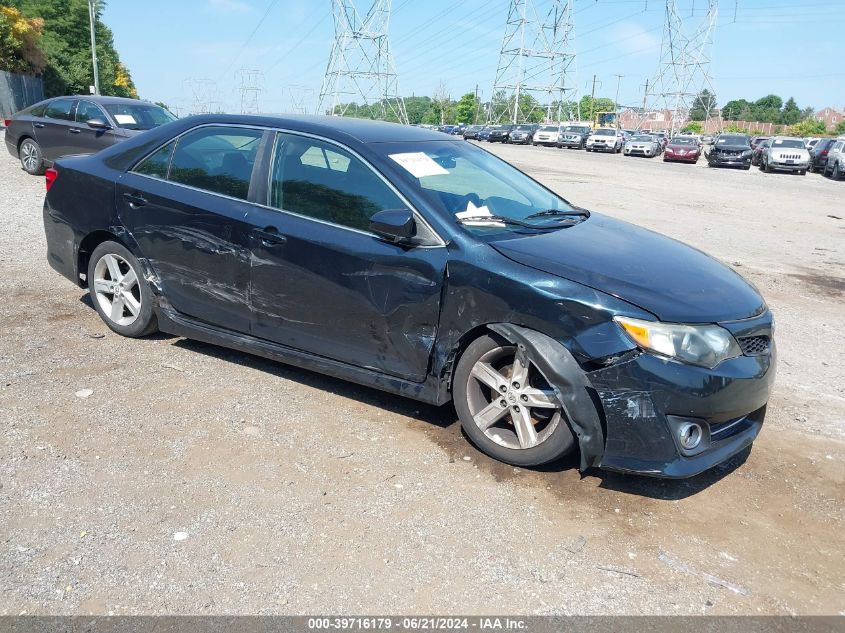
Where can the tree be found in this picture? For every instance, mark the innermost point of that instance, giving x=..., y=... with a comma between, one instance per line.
x=66, y=44
x=694, y=126
x=590, y=107
x=416, y=108
x=466, y=108
x=19, y=42
x=703, y=105
x=791, y=113
x=840, y=127
x=808, y=127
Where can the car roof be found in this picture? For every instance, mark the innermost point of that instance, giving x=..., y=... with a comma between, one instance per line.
x=100, y=99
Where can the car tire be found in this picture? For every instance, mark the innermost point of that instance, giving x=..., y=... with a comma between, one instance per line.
x=119, y=291
x=802, y=172
x=32, y=159
x=747, y=167
x=543, y=428
x=835, y=174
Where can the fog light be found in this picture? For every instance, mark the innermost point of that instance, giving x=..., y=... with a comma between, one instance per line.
x=690, y=436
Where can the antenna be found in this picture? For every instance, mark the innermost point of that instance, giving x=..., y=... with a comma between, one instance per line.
x=251, y=85
x=684, y=68
x=536, y=64
x=361, y=66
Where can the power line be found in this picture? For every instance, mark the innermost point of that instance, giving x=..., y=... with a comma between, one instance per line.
x=249, y=39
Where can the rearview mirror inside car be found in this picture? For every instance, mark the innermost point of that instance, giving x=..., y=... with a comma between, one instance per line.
x=98, y=124
x=394, y=224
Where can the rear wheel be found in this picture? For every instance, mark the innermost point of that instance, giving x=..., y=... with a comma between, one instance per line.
x=120, y=293
x=507, y=407
x=32, y=160
x=836, y=173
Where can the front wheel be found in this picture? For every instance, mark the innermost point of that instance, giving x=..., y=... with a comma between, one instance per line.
x=506, y=406
x=32, y=160
x=120, y=294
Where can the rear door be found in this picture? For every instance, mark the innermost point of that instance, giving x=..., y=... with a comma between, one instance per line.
x=89, y=140
x=185, y=206
x=52, y=131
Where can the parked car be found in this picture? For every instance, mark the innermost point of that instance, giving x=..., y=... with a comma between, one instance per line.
x=574, y=136
x=810, y=143
x=756, y=140
x=819, y=154
x=707, y=139
x=684, y=149
x=835, y=167
x=757, y=152
x=523, y=134
x=642, y=145
x=499, y=133
x=555, y=330
x=548, y=135
x=472, y=131
x=41, y=133
x=604, y=139
x=484, y=133
x=730, y=150
x=785, y=153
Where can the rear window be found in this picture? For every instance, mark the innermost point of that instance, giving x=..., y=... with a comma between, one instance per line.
x=139, y=116
x=59, y=109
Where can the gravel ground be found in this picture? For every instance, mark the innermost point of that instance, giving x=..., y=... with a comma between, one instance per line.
x=196, y=480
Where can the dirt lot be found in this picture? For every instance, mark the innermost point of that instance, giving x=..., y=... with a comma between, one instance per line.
x=298, y=493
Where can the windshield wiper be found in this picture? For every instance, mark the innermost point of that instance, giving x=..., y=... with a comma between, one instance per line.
x=500, y=219
x=559, y=212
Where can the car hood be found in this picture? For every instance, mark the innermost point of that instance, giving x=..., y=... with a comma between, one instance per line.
x=732, y=148
x=677, y=147
x=673, y=281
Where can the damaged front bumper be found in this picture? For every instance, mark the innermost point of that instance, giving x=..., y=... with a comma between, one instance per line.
x=647, y=400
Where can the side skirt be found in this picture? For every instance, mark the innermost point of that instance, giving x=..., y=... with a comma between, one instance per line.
x=172, y=322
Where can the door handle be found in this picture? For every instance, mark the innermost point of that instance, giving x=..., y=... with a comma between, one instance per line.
x=135, y=199
x=38, y=125
x=74, y=130
x=270, y=236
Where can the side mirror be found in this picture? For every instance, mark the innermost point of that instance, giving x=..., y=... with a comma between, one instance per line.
x=98, y=124
x=396, y=225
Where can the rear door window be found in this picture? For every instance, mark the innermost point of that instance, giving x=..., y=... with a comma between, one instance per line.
x=59, y=109
x=216, y=159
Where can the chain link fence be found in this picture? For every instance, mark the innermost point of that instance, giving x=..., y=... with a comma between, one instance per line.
x=18, y=92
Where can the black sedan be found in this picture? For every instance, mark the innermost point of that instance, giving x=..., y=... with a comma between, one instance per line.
x=58, y=127
x=425, y=266
x=500, y=133
x=730, y=150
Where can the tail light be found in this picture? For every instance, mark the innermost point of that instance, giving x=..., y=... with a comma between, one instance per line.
x=50, y=177
x=7, y=122
x=824, y=152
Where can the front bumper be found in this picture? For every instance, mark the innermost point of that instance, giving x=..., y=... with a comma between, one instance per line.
x=783, y=166
x=686, y=158
x=636, y=151
x=571, y=142
x=729, y=161
x=601, y=147
x=645, y=398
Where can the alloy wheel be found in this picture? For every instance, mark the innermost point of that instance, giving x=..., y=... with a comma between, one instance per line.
x=117, y=290
x=510, y=400
x=29, y=156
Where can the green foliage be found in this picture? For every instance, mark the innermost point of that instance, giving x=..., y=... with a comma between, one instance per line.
x=840, y=127
x=791, y=113
x=590, y=107
x=19, y=42
x=703, y=105
x=769, y=109
x=466, y=109
x=66, y=42
x=416, y=107
x=695, y=127
x=808, y=127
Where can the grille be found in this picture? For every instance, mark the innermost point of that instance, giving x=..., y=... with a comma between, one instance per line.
x=790, y=156
x=754, y=345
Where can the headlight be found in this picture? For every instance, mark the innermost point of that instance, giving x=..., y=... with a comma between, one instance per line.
x=747, y=153
x=704, y=345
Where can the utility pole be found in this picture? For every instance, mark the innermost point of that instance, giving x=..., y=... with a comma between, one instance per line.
x=593, y=100
x=645, y=97
x=477, y=103
x=616, y=100
x=92, y=19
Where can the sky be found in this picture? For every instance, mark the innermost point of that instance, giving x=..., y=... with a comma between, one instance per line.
x=176, y=47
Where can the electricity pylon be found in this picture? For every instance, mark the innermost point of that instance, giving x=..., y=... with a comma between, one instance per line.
x=299, y=95
x=536, y=64
x=203, y=95
x=251, y=85
x=361, y=66
x=684, y=68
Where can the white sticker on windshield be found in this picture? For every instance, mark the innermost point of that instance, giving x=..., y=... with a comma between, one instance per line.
x=473, y=211
x=125, y=119
x=418, y=164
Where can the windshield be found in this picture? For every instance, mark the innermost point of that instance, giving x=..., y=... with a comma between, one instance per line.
x=548, y=128
x=523, y=127
x=643, y=139
x=461, y=180
x=576, y=128
x=792, y=143
x=682, y=141
x=605, y=132
x=732, y=140
x=138, y=116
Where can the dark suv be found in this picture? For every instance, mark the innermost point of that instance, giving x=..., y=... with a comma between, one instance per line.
x=41, y=133
x=500, y=133
x=818, y=155
x=730, y=150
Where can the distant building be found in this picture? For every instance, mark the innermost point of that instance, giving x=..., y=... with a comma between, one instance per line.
x=633, y=118
x=830, y=117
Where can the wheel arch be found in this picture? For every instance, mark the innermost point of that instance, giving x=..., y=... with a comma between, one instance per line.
x=87, y=246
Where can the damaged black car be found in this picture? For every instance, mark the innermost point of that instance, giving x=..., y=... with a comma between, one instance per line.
x=424, y=266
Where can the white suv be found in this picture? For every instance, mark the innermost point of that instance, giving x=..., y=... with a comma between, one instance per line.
x=835, y=167
x=605, y=139
x=786, y=153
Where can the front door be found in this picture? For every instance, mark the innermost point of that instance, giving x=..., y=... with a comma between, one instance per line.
x=185, y=206
x=322, y=283
x=90, y=140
